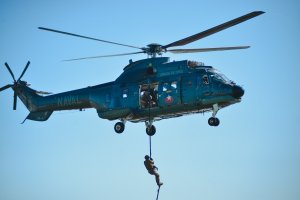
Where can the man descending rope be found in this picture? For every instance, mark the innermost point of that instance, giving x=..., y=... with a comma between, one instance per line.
x=152, y=169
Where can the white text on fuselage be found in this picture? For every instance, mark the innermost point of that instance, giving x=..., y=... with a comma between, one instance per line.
x=68, y=100
x=171, y=73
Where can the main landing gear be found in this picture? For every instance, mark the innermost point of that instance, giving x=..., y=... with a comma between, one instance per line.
x=214, y=121
x=119, y=127
x=150, y=128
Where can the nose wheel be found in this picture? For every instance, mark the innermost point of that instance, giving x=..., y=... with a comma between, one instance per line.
x=214, y=121
x=119, y=127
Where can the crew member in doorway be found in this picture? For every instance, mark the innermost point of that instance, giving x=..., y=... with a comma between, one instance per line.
x=152, y=169
x=145, y=99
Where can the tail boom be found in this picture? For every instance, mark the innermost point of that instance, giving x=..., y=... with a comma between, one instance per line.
x=41, y=107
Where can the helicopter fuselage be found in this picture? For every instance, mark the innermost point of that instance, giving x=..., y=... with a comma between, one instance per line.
x=147, y=90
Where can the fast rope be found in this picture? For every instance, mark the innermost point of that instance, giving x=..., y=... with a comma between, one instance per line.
x=150, y=145
x=149, y=114
x=157, y=192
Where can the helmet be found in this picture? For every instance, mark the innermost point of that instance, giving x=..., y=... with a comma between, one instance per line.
x=147, y=157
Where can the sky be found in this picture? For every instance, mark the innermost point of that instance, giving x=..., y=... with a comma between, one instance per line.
x=253, y=154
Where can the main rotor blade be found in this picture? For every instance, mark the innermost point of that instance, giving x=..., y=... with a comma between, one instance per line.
x=113, y=55
x=5, y=87
x=11, y=73
x=24, y=71
x=86, y=37
x=206, y=49
x=15, y=101
x=213, y=30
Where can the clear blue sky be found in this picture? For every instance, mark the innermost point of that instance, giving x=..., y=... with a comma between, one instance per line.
x=253, y=154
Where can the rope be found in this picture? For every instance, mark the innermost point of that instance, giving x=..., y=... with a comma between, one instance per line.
x=157, y=192
x=149, y=118
x=149, y=114
x=150, y=146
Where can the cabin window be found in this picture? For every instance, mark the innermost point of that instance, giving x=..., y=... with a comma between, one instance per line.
x=205, y=79
x=125, y=94
x=165, y=87
x=174, y=85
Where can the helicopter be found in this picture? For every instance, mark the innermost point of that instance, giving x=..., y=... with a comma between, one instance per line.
x=147, y=90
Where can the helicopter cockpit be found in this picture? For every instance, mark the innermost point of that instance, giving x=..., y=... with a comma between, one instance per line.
x=218, y=76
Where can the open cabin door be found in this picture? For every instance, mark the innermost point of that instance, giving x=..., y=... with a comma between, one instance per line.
x=148, y=95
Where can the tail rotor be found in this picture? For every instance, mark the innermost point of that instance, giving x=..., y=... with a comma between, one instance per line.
x=28, y=63
x=16, y=82
x=5, y=87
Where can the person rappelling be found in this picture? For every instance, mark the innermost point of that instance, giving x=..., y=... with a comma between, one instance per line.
x=152, y=169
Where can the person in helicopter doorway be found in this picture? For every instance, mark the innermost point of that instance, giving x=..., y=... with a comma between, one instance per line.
x=152, y=169
x=145, y=99
x=149, y=98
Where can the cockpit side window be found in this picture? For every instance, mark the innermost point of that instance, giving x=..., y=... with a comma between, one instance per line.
x=205, y=79
x=218, y=76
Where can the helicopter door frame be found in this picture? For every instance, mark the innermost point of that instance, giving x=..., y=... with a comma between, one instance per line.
x=189, y=88
x=148, y=94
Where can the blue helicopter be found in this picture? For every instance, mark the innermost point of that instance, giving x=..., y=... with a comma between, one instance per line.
x=148, y=90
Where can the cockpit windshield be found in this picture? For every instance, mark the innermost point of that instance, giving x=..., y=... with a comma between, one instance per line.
x=215, y=74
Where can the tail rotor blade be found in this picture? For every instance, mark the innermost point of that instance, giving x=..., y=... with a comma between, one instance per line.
x=5, y=87
x=15, y=101
x=11, y=73
x=24, y=70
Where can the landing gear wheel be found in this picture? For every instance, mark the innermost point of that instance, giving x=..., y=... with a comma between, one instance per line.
x=119, y=127
x=151, y=130
x=217, y=122
x=213, y=121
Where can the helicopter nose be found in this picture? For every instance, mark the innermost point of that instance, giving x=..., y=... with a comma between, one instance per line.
x=237, y=91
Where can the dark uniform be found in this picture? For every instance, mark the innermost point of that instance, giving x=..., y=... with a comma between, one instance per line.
x=152, y=169
x=145, y=99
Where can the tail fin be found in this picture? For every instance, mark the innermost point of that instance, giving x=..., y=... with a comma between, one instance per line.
x=28, y=96
x=38, y=116
x=31, y=100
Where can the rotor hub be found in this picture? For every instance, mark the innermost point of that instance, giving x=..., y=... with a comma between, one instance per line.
x=154, y=49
